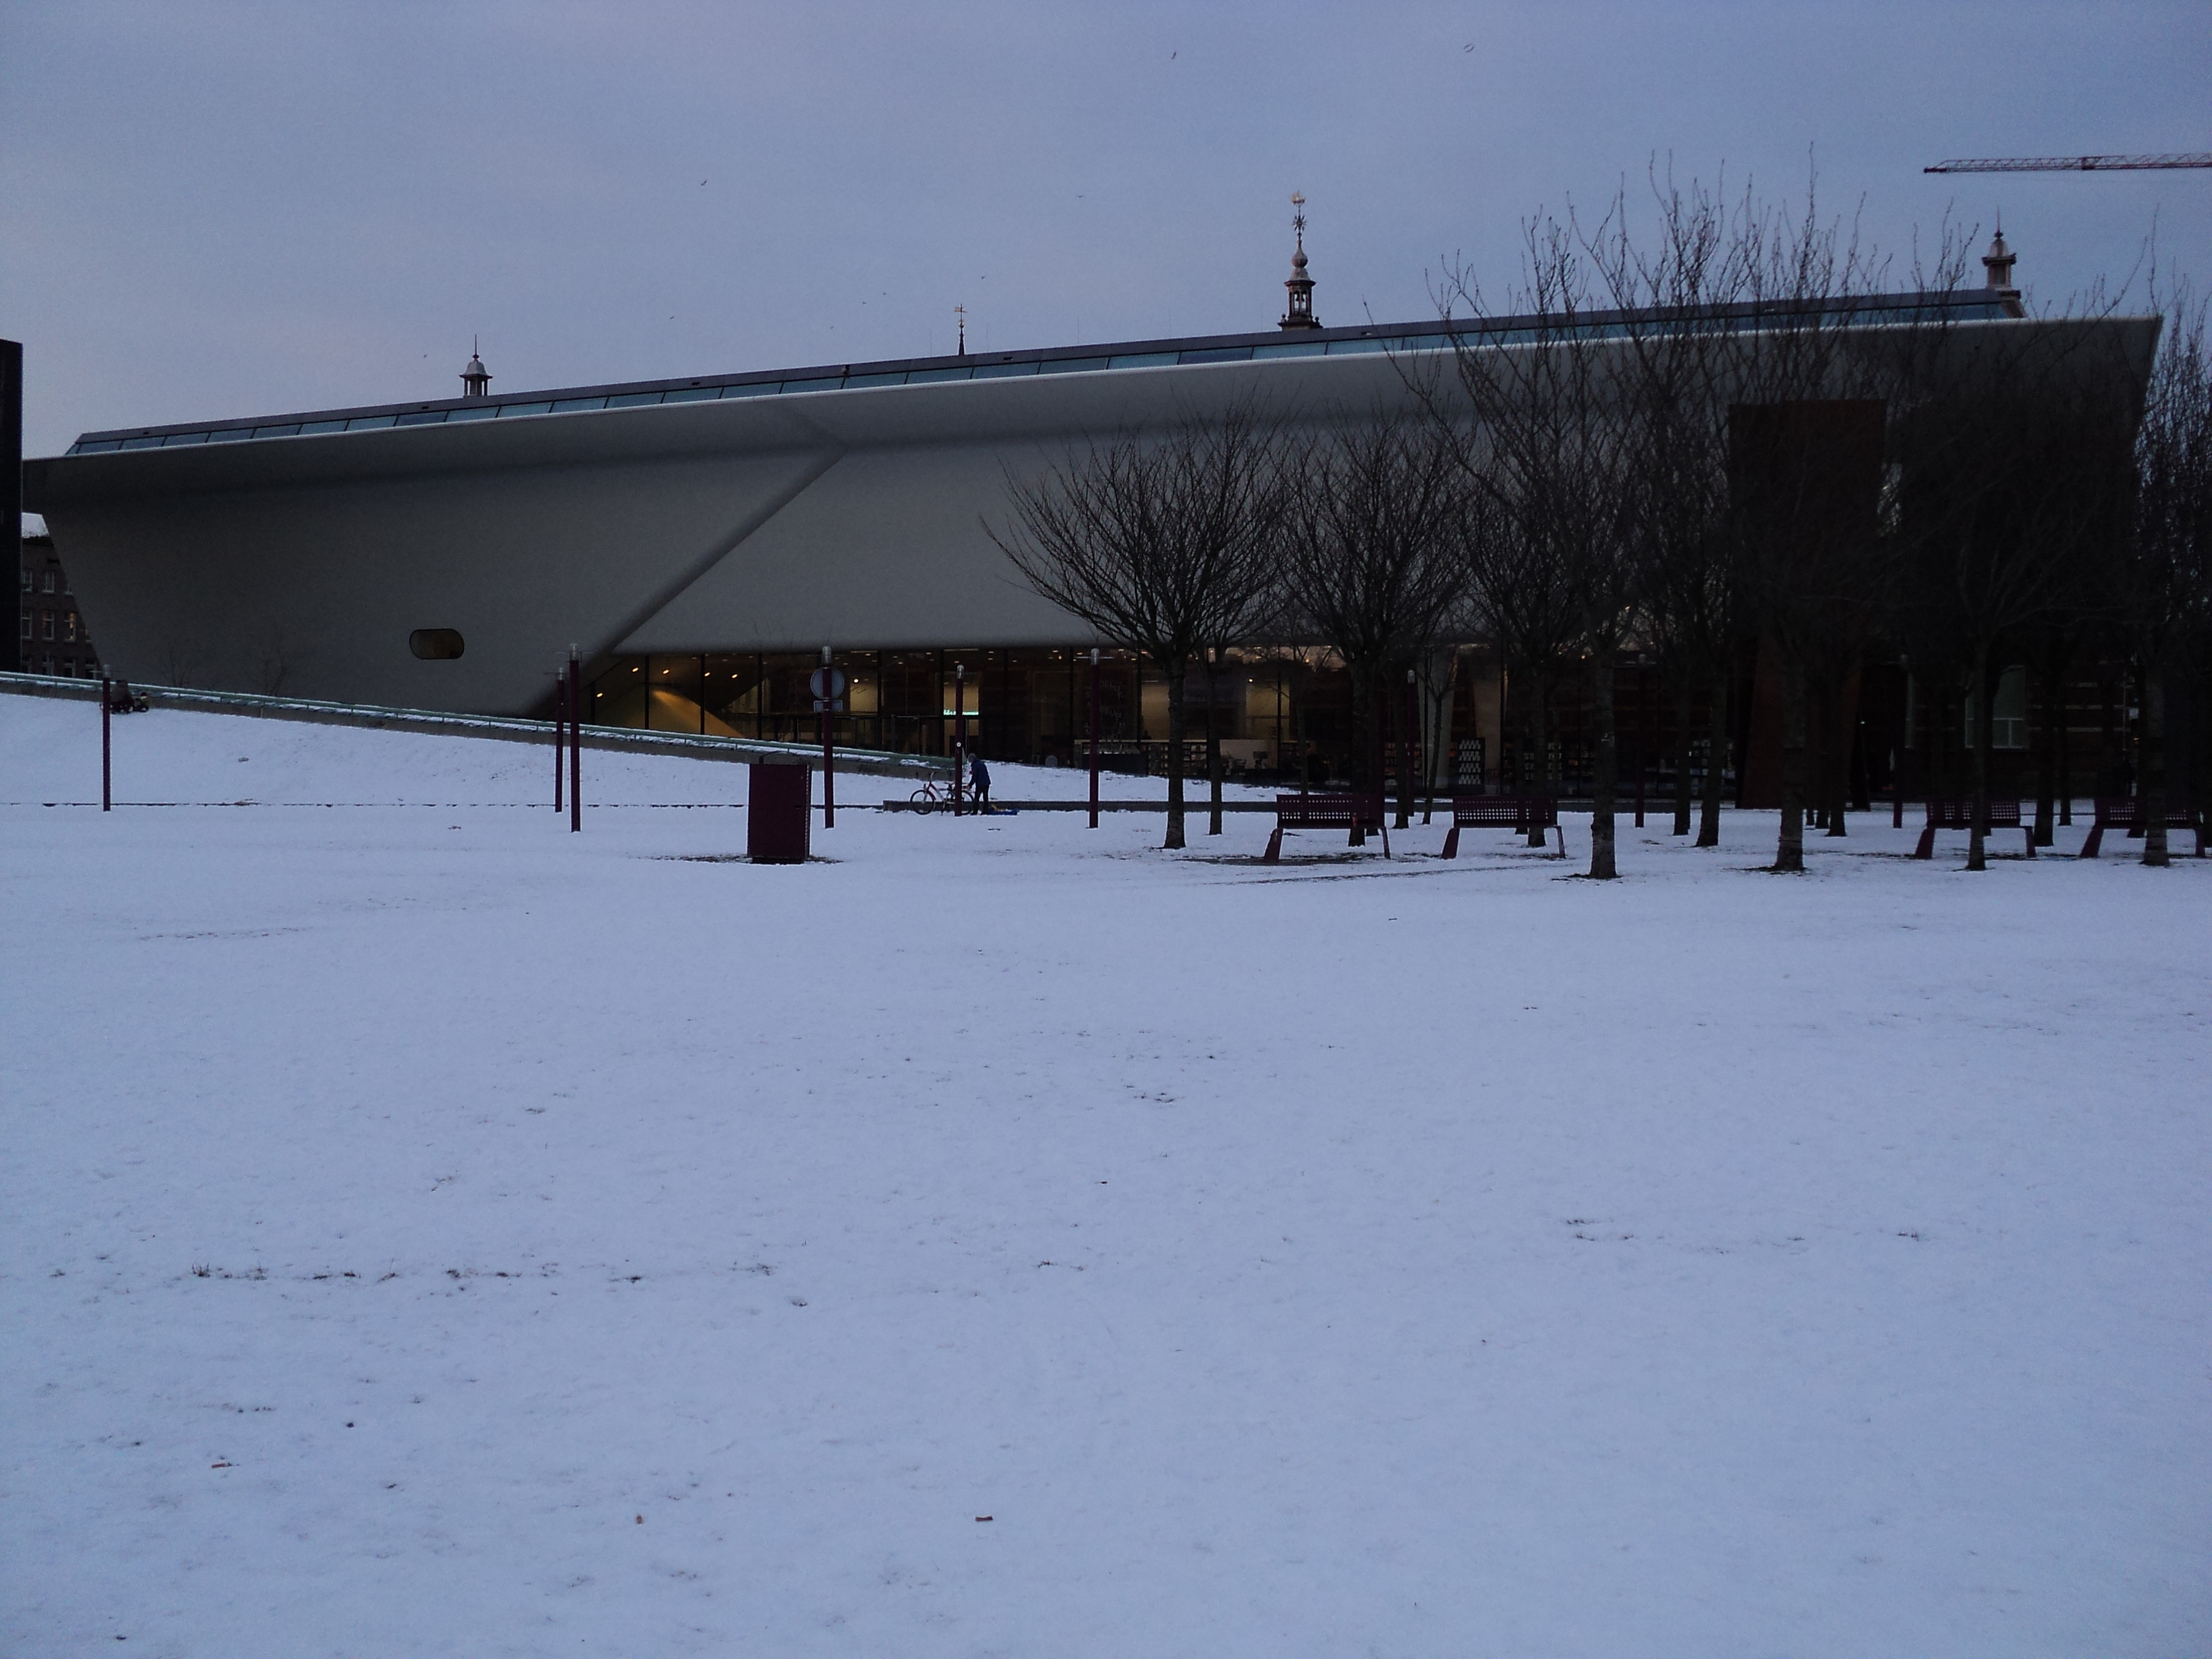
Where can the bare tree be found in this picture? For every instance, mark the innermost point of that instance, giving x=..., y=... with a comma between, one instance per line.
x=1740, y=323
x=2054, y=647
x=1525, y=599
x=1248, y=603
x=2015, y=480
x=1812, y=563
x=1806, y=434
x=275, y=660
x=2166, y=576
x=1673, y=301
x=1369, y=563
x=1155, y=543
x=1553, y=453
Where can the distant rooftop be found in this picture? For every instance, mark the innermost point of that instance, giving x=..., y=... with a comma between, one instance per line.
x=1968, y=305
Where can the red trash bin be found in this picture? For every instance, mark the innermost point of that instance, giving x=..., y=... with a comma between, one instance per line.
x=779, y=811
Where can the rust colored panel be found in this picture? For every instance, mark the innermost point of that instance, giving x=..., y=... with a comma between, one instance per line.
x=779, y=813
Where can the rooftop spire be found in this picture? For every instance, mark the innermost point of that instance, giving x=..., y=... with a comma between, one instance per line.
x=1301, y=311
x=1999, y=262
x=476, y=379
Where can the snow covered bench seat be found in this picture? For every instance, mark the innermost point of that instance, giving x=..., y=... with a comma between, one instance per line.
x=2128, y=812
x=1335, y=810
x=1524, y=813
x=1957, y=812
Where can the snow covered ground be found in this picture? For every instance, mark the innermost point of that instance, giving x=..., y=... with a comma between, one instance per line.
x=423, y=1231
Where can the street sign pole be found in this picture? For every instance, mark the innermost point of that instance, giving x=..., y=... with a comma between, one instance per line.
x=829, y=754
x=560, y=732
x=107, y=704
x=1094, y=737
x=827, y=685
x=575, y=742
x=959, y=734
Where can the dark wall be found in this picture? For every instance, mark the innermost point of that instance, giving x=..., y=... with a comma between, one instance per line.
x=11, y=482
x=1805, y=480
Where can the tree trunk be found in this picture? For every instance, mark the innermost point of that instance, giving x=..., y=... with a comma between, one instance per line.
x=2047, y=755
x=1717, y=736
x=1939, y=743
x=2109, y=743
x=1789, y=850
x=1213, y=745
x=1365, y=745
x=1862, y=779
x=2132, y=743
x=2201, y=750
x=1409, y=749
x=1605, y=771
x=1506, y=710
x=1682, y=753
x=1835, y=755
x=2153, y=817
x=2065, y=757
x=1816, y=758
x=1436, y=743
x=1176, y=672
x=1985, y=713
x=1538, y=742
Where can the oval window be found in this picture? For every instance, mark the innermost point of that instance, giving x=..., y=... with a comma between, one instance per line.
x=435, y=644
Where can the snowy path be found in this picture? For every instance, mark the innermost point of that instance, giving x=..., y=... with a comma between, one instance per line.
x=1346, y=1258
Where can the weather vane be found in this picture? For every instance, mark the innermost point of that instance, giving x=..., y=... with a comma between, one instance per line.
x=1300, y=286
x=960, y=317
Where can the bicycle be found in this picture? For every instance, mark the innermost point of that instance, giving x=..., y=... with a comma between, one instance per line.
x=933, y=796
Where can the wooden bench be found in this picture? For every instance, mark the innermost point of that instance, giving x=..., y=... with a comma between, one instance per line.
x=1524, y=813
x=1326, y=811
x=2126, y=812
x=1957, y=812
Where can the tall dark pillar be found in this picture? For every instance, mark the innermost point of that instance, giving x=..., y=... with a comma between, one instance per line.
x=11, y=481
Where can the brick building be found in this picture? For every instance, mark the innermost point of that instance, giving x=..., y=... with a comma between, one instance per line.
x=51, y=637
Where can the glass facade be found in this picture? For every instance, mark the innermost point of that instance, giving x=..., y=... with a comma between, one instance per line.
x=1282, y=716
x=1030, y=705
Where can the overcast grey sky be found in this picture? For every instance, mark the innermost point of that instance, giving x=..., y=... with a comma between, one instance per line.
x=224, y=209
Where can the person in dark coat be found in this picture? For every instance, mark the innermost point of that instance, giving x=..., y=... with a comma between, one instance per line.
x=979, y=782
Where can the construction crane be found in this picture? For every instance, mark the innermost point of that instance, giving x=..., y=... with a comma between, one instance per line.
x=2076, y=163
